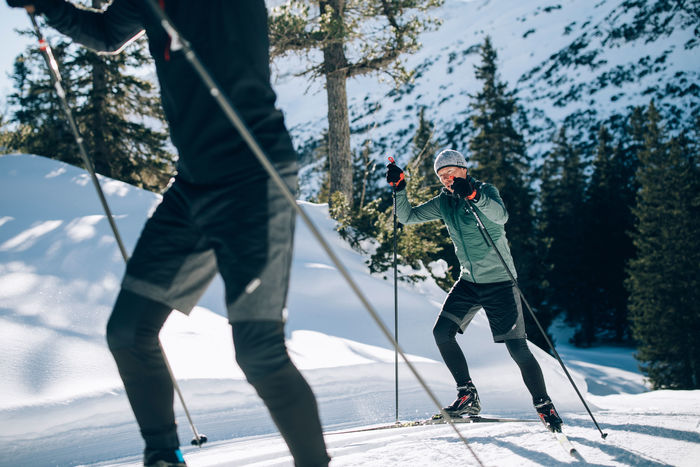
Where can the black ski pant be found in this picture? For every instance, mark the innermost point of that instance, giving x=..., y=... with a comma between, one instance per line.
x=132, y=336
x=445, y=332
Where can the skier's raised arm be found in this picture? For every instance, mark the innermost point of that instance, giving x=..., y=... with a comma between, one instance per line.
x=103, y=31
x=407, y=214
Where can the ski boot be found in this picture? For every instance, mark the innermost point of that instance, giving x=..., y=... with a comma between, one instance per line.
x=467, y=402
x=548, y=414
x=163, y=458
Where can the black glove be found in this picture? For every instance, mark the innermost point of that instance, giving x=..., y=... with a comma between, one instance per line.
x=395, y=177
x=466, y=188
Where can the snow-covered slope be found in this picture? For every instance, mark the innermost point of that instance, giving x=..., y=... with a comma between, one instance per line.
x=62, y=402
x=59, y=275
x=573, y=61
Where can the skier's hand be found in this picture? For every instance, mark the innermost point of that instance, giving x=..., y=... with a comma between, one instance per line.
x=466, y=188
x=395, y=176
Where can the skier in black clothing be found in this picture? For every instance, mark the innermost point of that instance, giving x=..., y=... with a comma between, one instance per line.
x=483, y=283
x=221, y=214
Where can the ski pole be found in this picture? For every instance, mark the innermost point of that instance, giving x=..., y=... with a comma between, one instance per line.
x=492, y=244
x=56, y=80
x=180, y=43
x=396, y=300
x=55, y=74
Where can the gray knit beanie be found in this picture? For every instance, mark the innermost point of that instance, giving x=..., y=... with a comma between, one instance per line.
x=449, y=158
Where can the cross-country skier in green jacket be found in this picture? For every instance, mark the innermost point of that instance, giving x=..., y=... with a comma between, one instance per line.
x=221, y=214
x=484, y=281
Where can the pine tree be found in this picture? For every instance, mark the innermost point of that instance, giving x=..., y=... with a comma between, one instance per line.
x=4, y=135
x=425, y=148
x=501, y=158
x=662, y=281
x=355, y=38
x=39, y=119
x=500, y=155
x=118, y=112
x=600, y=239
x=561, y=229
x=418, y=245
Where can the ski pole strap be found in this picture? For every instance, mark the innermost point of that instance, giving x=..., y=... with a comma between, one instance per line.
x=395, y=184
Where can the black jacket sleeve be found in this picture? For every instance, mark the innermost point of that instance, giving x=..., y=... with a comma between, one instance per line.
x=103, y=31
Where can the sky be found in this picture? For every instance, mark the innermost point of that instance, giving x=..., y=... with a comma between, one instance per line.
x=12, y=45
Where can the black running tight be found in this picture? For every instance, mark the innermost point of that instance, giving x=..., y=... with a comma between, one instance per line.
x=445, y=332
x=132, y=336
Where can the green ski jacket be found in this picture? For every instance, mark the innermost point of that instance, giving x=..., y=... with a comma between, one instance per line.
x=479, y=263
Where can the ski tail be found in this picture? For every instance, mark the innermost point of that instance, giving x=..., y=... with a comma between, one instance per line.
x=567, y=445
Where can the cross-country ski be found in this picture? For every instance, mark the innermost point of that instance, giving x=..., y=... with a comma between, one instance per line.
x=436, y=421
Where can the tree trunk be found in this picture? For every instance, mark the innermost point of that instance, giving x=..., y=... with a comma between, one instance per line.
x=100, y=151
x=339, y=155
x=339, y=136
x=100, y=154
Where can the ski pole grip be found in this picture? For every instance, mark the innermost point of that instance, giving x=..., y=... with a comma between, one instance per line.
x=401, y=178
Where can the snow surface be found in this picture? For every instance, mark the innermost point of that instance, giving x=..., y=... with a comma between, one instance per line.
x=62, y=402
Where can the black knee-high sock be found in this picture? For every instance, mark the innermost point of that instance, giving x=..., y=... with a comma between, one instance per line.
x=262, y=355
x=444, y=333
x=132, y=336
x=529, y=368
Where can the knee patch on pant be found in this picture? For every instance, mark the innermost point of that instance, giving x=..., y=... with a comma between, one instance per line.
x=519, y=351
x=444, y=331
x=260, y=348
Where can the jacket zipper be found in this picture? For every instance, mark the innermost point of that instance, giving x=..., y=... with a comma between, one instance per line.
x=455, y=221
